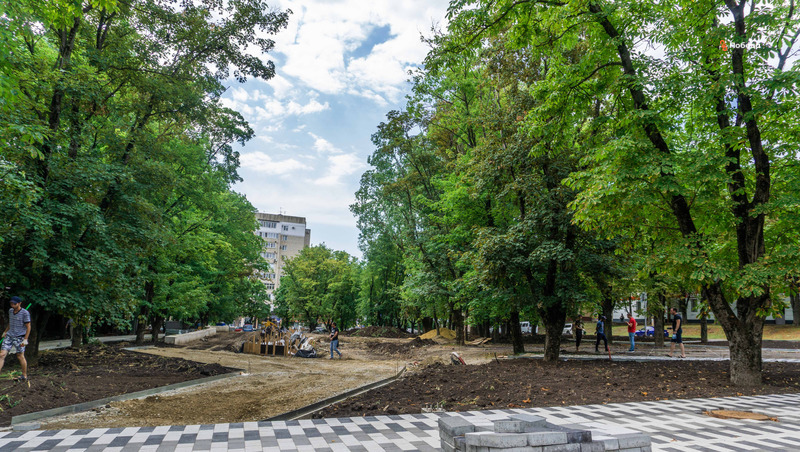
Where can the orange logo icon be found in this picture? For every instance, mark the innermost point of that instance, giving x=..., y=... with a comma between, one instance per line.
x=722, y=45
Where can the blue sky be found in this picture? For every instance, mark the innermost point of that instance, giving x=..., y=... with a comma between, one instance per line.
x=341, y=66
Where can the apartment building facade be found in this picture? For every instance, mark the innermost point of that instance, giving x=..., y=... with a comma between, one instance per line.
x=284, y=237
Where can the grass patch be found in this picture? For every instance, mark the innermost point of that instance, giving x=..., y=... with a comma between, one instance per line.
x=771, y=332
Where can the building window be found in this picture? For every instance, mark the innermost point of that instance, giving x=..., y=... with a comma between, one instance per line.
x=286, y=228
x=270, y=286
x=283, y=247
x=285, y=237
x=271, y=235
x=271, y=244
x=268, y=224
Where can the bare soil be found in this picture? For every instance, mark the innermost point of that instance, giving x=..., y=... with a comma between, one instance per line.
x=66, y=377
x=522, y=383
x=268, y=386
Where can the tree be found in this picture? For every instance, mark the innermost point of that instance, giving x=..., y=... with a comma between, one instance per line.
x=320, y=284
x=705, y=127
x=113, y=112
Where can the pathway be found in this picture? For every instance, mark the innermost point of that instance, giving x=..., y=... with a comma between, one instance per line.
x=673, y=425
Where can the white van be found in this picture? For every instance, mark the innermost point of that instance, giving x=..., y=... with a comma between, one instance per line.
x=525, y=327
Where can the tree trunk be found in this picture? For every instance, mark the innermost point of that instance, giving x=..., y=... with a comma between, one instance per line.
x=745, y=349
x=608, y=311
x=77, y=335
x=427, y=324
x=743, y=329
x=38, y=322
x=658, y=319
x=516, y=333
x=158, y=322
x=794, y=299
x=704, y=329
x=458, y=325
x=141, y=325
x=554, y=316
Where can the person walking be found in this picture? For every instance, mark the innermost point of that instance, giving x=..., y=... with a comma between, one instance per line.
x=335, y=340
x=677, y=332
x=578, y=325
x=600, y=331
x=16, y=336
x=631, y=331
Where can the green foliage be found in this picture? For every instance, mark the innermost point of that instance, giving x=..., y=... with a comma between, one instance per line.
x=320, y=285
x=118, y=157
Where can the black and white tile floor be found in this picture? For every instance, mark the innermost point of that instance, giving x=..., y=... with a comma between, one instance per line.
x=674, y=425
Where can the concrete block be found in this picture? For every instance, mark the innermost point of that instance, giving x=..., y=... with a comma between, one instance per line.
x=471, y=448
x=546, y=438
x=27, y=426
x=517, y=449
x=447, y=447
x=574, y=435
x=509, y=426
x=631, y=440
x=454, y=426
x=180, y=339
x=460, y=444
x=529, y=420
x=496, y=440
x=632, y=449
x=572, y=447
x=608, y=442
x=594, y=446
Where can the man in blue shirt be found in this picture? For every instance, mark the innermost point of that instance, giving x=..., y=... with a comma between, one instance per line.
x=600, y=330
x=16, y=336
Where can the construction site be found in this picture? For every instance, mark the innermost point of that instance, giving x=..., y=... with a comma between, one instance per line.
x=268, y=375
x=230, y=377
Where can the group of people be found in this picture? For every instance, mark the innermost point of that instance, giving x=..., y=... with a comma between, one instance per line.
x=677, y=332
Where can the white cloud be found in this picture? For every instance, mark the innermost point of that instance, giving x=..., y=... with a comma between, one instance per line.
x=313, y=106
x=340, y=167
x=322, y=32
x=322, y=145
x=263, y=163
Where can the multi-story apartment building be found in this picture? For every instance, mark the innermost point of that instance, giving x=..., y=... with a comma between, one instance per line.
x=284, y=237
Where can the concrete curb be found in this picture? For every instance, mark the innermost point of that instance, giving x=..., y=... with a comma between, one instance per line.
x=316, y=406
x=26, y=421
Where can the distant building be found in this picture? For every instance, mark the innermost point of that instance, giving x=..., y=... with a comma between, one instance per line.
x=284, y=237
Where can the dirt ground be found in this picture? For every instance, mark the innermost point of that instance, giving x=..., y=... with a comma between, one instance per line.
x=270, y=385
x=523, y=383
x=267, y=386
x=67, y=377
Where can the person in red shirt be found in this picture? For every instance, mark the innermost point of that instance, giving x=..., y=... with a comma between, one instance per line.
x=631, y=330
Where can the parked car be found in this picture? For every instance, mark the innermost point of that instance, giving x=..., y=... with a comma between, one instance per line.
x=525, y=327
x=567, y=331
x=247, y=327
x=320, y=330
x=649, y=331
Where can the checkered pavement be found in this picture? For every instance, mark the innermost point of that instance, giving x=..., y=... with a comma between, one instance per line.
x=673, y=425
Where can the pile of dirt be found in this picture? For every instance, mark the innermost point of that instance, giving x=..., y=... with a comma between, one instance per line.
x=69, y=376
x=398, y=348
x=381, y=331
x=523, y=383
x=445, y=333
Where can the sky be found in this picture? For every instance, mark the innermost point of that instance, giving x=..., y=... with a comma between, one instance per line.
x=341, y=65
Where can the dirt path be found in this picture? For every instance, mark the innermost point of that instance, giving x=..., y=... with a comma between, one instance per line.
x=268, y=385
